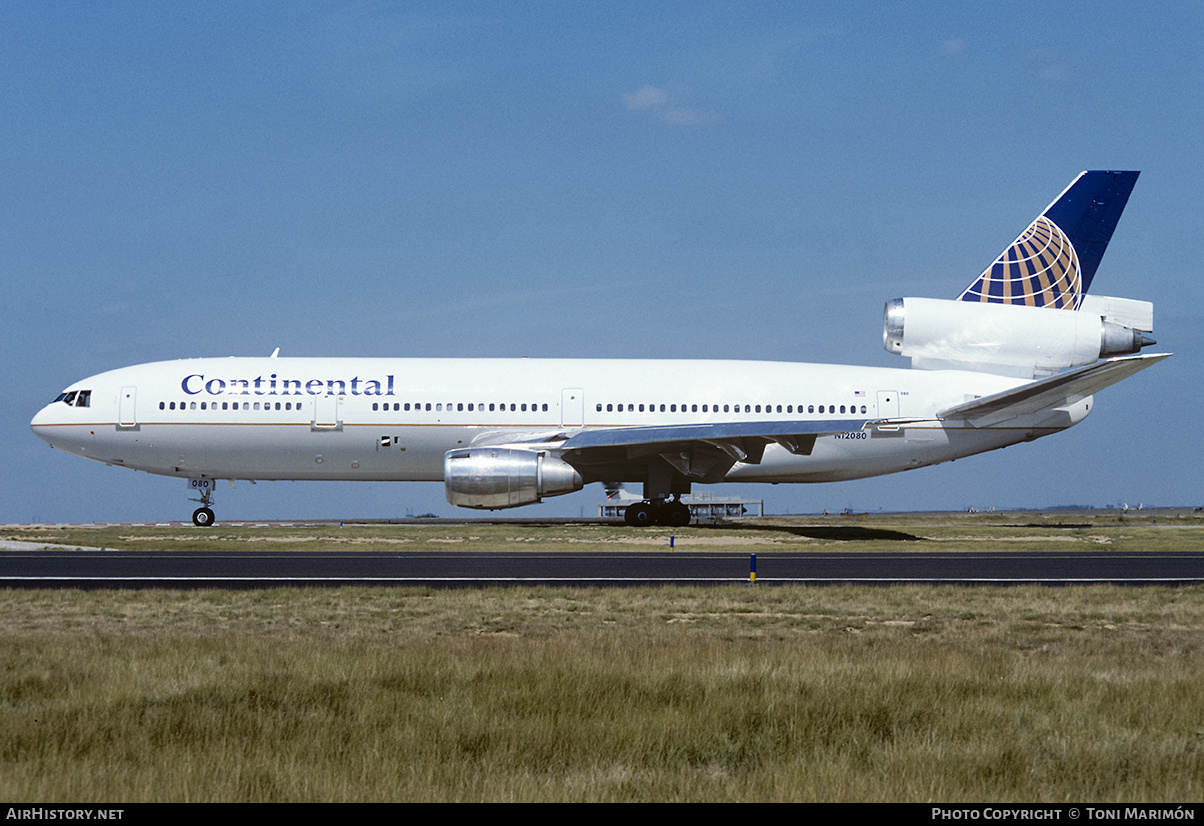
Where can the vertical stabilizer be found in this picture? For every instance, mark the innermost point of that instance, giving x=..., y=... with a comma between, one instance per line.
x=1052, y=263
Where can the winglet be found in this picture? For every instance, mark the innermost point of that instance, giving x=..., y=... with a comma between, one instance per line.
x=1053, y=262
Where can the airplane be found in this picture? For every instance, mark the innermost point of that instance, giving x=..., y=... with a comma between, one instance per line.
x=1018, y=355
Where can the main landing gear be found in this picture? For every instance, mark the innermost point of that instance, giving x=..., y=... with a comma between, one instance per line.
x=202, y=517
x=672, y=513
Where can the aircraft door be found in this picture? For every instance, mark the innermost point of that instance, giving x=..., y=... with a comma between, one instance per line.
x=127, y=416
x=326, y=413
x=572, y=407
x=888, y=404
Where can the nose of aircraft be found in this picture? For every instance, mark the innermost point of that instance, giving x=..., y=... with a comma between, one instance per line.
x=42, y=422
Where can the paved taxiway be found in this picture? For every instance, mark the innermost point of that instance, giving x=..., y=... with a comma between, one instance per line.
x=94, y=568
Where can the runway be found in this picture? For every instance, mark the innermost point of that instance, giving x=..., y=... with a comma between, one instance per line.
x=109, y=569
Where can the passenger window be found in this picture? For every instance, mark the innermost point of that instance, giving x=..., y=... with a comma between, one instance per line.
x=811, y=408
x=162, y=405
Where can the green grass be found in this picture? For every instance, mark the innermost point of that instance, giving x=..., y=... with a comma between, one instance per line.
x=1164, y=530
x=700, y=694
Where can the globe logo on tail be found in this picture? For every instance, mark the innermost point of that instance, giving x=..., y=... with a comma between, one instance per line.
x=1039, y=269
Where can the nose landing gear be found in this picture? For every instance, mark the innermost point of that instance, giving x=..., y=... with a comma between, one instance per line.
x=202, y=517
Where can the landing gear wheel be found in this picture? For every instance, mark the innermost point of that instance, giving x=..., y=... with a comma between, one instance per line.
x=675, y=514
x=202, y=518
x=640, y=515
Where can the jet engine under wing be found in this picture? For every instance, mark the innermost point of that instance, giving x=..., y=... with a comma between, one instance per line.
x=1056, y=391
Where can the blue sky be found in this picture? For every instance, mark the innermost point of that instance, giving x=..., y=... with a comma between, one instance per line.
x=676, y=180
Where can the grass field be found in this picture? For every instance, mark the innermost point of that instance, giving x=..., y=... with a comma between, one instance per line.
x=947, y=532
x=733, y=693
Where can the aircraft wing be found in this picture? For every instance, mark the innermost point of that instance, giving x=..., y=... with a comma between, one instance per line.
x=717, y=432
x=700, y=452
x=1056, y=391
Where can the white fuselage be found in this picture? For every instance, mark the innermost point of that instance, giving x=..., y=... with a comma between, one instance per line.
x=394, y=419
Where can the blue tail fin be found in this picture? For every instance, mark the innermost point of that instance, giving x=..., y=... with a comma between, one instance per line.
x=1052, y=263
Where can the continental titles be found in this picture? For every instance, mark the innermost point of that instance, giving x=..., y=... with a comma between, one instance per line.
x=273, y=385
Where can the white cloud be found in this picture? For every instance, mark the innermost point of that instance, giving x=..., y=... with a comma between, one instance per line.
x=953, y=46
x=1050, y=64
x=646, y=97
x=667, y=106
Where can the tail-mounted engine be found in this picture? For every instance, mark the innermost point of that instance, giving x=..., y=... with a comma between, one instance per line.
x=1011, y=339
x=490, y=478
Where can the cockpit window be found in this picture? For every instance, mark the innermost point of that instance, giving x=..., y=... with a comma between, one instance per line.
x=76, y=398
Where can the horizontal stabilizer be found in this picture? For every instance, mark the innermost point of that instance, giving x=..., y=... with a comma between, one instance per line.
x=1056, y=391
